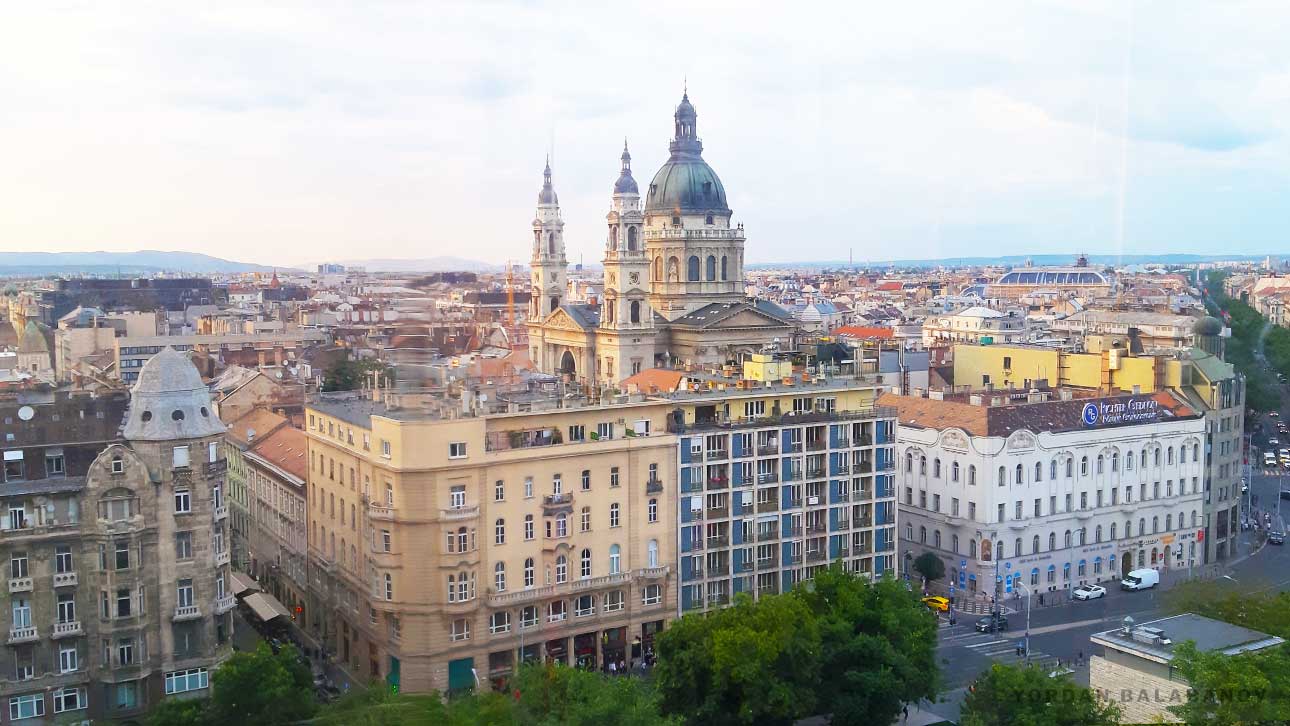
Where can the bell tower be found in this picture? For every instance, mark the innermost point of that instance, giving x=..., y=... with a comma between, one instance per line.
x=626, y=335
x=548, y=264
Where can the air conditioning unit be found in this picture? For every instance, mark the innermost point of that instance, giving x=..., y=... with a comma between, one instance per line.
x=812, y=500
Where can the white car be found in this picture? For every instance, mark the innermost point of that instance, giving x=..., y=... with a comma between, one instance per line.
x=1089, y=592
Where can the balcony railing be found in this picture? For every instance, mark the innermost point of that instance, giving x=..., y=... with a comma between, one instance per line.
x=768, y=449
x=20, y=584
x=716, y=455
x=842, y=496
x=842, y=443
x=718, y=512
x=768, y=506
x=717, y=482
x=221, y=512
x=696, y=573
x=816, y=445
x=186, y=612
x=792, y=532
x=793, y=503
x=653, y=486
x=718, y=598
x=376, y=511
x=814, y=472
x=818, y=528
x=767, y=477
x=224, y=604
x=23, y=635
x=215, y=468
x=556, y=501
x=768, y=564
x=718, y=541
x=64, y=579
x=456, y=514
x=816, y=556
x=842, y=469
x=67, y=629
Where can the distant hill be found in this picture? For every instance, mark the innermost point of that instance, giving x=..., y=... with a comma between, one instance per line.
x=102, y=263
x=1017, y=261
x=442, y=263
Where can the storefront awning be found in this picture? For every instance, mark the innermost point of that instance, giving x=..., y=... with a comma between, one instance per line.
x=265, y=606
x=242, y=583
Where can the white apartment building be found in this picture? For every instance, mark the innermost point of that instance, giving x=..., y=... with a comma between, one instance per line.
x=975, y=325
x=1049, y=489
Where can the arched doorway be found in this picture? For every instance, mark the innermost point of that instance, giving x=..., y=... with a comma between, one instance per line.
x=1126, y=564
x=567, y=365
x=1155, y=556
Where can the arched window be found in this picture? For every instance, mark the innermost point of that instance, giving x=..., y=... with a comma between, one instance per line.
x=1195, y=452
x=954, y=471
x=550, y=243
x=1020, y=474
x=909, y=462
x=922, y=535
x=1182, y=454
x=561, y=525
x=1066, y=539
x=1193, y=517
x=1097, y=533
x=936, y=468
x=499, y=532
x=724, y=271
x=585, y=571
x=1169, y=522
x=1052, y=470
x=528, y=572
x=1083, y=532
x=1113, y=523
x=1157, y=456
x=1052, y=541
x=613, y=235
x=972, y=548
x=1155, y=525
x=936, y=539
x=1034, y=545
x=711, y=268
x=1016, y=547
x=692, y=272
x=615, y=557
x=1070, y=467
x=1003, y=476
x=1115, y=461
x=1169, y=458
x=954, y=542
x=972, y=474
x=631, y=238
x=1039, y=472
x=561, y=569
x=1142, y=526
x=998, y=550
x=636, y=312
x=922, y=465
x=1083, y=466
x=652, y=553
x=707, y=219
x=1101, y=462
x=499, y=577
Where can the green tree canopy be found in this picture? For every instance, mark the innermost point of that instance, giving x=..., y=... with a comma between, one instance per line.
x=1252, y=688
x=930, y=566
x=349, y=375
x=1026, y=696
x=262, y=688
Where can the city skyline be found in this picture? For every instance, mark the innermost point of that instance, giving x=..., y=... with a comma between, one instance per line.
x=263, y=136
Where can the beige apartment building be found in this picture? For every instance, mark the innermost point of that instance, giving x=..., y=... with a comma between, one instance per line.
x=447, y=546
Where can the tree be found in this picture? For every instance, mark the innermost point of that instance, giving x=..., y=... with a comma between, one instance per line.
x=554, y=695
x=930, y=566
x=1233, y=689
x=180, y=712
x=348, y=375
x=755, y=662
x=878, y=646
x=262, y=688
x=1027, y=696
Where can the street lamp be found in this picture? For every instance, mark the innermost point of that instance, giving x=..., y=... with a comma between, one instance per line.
x=1019, y=583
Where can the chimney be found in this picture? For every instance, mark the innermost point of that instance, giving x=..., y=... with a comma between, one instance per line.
x=250, y=435
x=975, y=399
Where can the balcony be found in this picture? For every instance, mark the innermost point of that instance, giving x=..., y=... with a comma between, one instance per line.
x=844, y=552
x=64, y=579
x=224, y=604
x=375, y=511
x=844, y=524
x=792, y=447
x=814, y=472
x=842, y=469
x=793, y=475
x=182, y=476
x=768, y=449
x=793, y=560
x=864, y=548
x=865, y=466
x=744, y=566
x=186, y=612
x=792, y=532
x=221, y=512
x=23, y=635
x=864, y=522
x=718, y=513
x=816, y=445
x=221, y=558
x=216, y=468
x=718, y=541
x=718, y=598
x=768, y=506
x=793, y=503
x=816, y=556
x=717, y=455
x=842, y=443
x=717, y=482
x=864, y=494
x=653, y=486
x=770, y=564
x=651, y=573
x=66, y=630
x=816, y=528
x=767, y=477
x=20, y=584
x=554, y=503
x=841, y=496
x=696, y=573
x=457, y=514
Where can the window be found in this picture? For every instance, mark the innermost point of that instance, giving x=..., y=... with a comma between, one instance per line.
x=68, y=659
x=183, y=545
x=652, y=553
x=615, y=560
x=613, y=601
x=972, y=474
x=66, y=607
x=13, y=466
x=586, y=480
x=389, y=587
x=184, y=681
x=561, y=569
x=613, y=515
x=63, y=559
x=954, y=471
x=457, y=450
x=54, y=463
x=577, y=433
x=499, y=623
x=122, y=559
x=499, y=532
x=123, y=602
x=387, y=541
x=18, y=565
x=528, y=487
x=457, y=497
x=528, y=572
x=1020, y=478
x=184, y=593
x=461, y=629
x=528, y=527
x=70, y=699
x=29, y=706
x=499, y=577
x=385, y=448
x=653, y=510
x=21, y=612
x=125, y=651
x=584, y=523
x=651, y=595
x=179, y=457
x=613, y=476
x=1003, y=476
x=499, y=491
x=561, y=526
x=585, y=567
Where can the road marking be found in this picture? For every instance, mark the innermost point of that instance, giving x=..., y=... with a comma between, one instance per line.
x=982, y=645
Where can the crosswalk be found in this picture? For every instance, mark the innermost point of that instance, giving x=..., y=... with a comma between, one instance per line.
x=999, y=647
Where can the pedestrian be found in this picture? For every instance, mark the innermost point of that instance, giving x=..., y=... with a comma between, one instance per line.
x=1081, y=658
x=613, y=668
x=905, y=712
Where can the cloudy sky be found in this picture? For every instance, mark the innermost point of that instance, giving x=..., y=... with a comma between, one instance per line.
x=310, y=131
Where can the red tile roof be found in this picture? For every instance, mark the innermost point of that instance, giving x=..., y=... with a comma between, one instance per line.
x=861, y=331
x=285, y=448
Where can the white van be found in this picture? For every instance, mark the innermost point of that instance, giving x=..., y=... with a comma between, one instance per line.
x=1140, y=580
x=1269, y=458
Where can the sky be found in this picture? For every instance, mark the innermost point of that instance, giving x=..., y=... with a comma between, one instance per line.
x=295, y=133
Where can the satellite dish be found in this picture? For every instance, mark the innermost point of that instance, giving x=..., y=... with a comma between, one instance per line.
x=26, y=413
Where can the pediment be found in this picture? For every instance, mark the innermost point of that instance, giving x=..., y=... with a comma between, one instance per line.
x=560, y=320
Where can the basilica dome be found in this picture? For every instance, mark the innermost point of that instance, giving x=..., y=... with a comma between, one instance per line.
x=685, y=182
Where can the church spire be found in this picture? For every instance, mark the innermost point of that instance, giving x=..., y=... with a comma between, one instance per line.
x=626, y=184
x=686, y=142
x=547, y=195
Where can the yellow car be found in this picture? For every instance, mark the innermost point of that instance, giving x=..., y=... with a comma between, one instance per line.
x=937, y=603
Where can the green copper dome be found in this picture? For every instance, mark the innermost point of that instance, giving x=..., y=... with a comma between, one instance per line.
x=686, y=183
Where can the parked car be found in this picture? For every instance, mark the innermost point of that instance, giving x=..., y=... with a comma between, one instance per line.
x=1276, y=538
x=1089, y=592
x=1144, y=579
x=937, y=603
x=988, y=623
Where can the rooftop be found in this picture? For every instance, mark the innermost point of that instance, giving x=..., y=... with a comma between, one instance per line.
x=1209, y=635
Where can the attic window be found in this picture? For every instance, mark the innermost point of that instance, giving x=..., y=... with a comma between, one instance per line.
x=205, y=413
x=147, y=416
x=177, y=415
